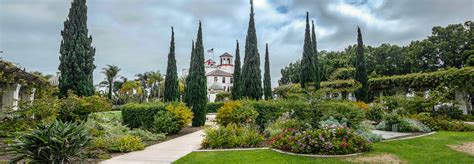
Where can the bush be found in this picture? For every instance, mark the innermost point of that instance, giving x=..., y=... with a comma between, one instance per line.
x=183, y=114
x=341, y=110
x=342, y=74
x=231, y=136
x=324, y=141
x=396, y=123
x=236, y=112
x=375, y=113
x=449, y=111
x=443, y=123
x=75, y=108
x=145, y=135
x=407, y=105
x=282, y=123
x=57, y=142
x=365, y=130
x=165, y=122
x=268, y=111
x=212, y=107
x=141, y=115
x=120, y=144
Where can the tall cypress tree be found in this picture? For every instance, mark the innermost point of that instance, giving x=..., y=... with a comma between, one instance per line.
x=187, y=90
x=361, y=73
x=267, y=83
x=317, y=78
x=307, y=73
x=77, y=54
x=251, y=73
x=198, y=83
x=171, y=80
x=237, y=86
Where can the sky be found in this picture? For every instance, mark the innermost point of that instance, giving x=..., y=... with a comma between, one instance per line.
x=135, y=34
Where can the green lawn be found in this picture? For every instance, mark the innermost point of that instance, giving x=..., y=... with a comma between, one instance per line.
x=429, y=149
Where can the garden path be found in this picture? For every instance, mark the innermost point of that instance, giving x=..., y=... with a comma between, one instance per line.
x=390, y=135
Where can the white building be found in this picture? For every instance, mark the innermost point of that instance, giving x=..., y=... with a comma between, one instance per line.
x=219, y=75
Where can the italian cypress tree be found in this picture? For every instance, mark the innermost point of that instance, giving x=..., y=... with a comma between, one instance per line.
x=267, y=83
x=187, y=91
x=171, y=80
x=77, y=54
x=237, y=87
x=317, y=78
x=251, y=73
x=198, y=83
x=361, y=73
x=307, y=73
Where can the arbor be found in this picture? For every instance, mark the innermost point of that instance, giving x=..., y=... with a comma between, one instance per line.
x=317, y=72
x=237, y=87
x=307, y=64
x=171, y=79
x=111, y=73
x=197, y=82
x=77, y=54
x=251, y=73
x=267, y=82
x=362, y=94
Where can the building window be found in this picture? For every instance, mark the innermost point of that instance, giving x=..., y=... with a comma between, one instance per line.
x=216, y=79
x=231, y=80
x=223, y=79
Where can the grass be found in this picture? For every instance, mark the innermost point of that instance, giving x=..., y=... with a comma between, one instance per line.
x=429, y=149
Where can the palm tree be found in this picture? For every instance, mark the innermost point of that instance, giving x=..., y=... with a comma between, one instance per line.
x=154, y=80
x=111, y=73
x=142, y=78
x=130, y=88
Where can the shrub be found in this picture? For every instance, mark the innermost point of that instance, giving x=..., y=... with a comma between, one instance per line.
x=74, y=108
x=449, y=111
x=235, y=112
x=443, y=123
x=231, y=136
x=393, y=122
x=140, y=115
x=321, y=141
x=282, y=123
x=212, y=107
x=268, y=111
x=121, y=144
x=407, y=105
x=333, y=123
x=375, y=113
x=365, y=130
x=341, y=110
x=145, y=135
x=57, y=142
x=166, y=122
x=182, y=113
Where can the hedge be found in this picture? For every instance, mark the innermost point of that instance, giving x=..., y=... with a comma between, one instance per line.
x=269, y=111
x=213, y=107
x=140, y=115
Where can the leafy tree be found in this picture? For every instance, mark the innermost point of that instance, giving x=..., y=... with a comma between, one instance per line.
x=77, y=54
x=317, y=78
x=251, y=73
x=290, y=74
x=267, y=83
x=422, y=56
x=171, y=80
x=450, y=43
x=362, y=93
x=197, y=83
x=307, y=64
x=237, y=86
x=111, y=73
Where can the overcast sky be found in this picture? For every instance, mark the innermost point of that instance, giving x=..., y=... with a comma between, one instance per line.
x=135, y=34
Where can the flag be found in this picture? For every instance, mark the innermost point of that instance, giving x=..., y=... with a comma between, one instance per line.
x=210, y=50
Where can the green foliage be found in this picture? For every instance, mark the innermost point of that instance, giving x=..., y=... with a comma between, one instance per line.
x=237, y=86
x=362, y=93
x=236, y=112
x=307, y=64
x=341, y=110
x=120, y=144
x=342, y=74
x=443, y=123
x=282, y=123
x=267, y=83
x=212, y=107
x=450, y=111
x=290, y=91
x=251, y=73
x=375, y=113
x=290, y=74
x=394, y=122
x=140, y=115
x=166, y=122
x=232, y=136
x=74, y=108
x=220, y=97
x=183, y=114
x=111, y=73
x=171, y=80
x=77, y=54
x=197, y=83
x=317, y=69
x=321, y=141
x=338, y=86
x=57, y=142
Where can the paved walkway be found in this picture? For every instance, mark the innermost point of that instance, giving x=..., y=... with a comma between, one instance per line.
x=390, y=135
x=471, y=123
x=165, y=152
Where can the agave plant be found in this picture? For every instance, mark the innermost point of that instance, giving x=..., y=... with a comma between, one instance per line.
x=58, y=142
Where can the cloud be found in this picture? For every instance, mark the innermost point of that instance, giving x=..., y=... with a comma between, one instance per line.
x=135, y=34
